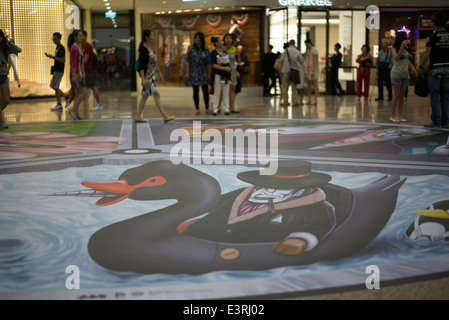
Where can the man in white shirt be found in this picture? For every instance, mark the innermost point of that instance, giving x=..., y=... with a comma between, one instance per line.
x=291, y=57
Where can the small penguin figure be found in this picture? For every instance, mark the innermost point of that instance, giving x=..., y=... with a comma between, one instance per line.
x=432, y=223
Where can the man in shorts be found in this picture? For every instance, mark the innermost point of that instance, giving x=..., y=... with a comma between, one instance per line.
x=57, y=69
x=89, y=69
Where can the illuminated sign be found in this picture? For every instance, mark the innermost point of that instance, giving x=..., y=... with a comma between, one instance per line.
x=404, y=29
x=110, y=14
x=309, y=3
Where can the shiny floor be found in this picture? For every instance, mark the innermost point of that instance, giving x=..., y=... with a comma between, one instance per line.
x=122, y=104
x=178, y=101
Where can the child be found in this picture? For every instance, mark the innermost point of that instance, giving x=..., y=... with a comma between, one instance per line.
x=224, y=62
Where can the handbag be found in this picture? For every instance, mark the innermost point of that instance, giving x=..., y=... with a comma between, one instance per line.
x=421, y=85
x=293, y=74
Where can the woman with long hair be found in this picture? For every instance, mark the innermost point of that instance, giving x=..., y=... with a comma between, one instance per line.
x=197, y=70
x=311, y=72
x=148, y=70
x=77, y=75
x=400, y=75
x=6, y=48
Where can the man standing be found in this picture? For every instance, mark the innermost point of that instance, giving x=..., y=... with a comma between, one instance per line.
x=268, y=60
x=335, y=64
x=437, y=52
x=291, y=58
x=88, y=61
x=57, y=69
x=384, y=64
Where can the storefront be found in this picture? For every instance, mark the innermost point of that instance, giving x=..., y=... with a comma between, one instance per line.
x=31, y=24
x=327, y=25
x=416, y=22
x=324, y=27
x=174, y=33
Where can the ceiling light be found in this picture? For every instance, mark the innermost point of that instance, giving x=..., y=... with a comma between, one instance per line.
x=109, y=8
x=107, y=4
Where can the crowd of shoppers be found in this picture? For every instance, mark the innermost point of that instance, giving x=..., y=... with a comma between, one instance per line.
x=221, y=71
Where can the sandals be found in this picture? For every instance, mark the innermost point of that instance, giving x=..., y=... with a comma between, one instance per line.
x=169, y=119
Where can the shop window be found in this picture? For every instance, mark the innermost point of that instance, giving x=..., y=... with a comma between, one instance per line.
x=32, y=24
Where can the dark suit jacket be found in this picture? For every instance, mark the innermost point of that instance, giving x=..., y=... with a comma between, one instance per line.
x=317, y=219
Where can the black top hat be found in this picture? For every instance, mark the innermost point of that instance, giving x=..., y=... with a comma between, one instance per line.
x=290, y=174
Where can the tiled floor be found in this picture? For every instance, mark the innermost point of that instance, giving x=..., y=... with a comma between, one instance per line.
x=178, y=101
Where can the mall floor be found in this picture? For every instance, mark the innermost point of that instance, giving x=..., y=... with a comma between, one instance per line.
x=121, y=104
x=178, y=101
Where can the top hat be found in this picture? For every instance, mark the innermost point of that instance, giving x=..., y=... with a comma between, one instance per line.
x=290, y=174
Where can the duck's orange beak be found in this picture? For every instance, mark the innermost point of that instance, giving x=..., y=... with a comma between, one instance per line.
x=119, y=190
x=116, y=191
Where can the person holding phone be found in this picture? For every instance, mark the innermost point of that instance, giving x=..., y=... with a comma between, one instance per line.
x=400, y=75
x=57, y=70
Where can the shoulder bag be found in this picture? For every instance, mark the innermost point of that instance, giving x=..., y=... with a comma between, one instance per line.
x=293, y=74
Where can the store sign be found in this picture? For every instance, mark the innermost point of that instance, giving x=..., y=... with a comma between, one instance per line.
x=306, y=3
x=110, y=14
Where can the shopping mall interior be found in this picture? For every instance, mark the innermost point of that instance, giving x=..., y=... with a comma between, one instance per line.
x=386, y=181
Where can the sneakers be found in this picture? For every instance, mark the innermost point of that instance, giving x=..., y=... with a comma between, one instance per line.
x=56, y=107
x=98, y=107
x=3, y=125
x=67, y=102
x=431, y=125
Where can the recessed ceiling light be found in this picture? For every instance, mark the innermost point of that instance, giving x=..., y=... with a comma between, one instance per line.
x=109, y=8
